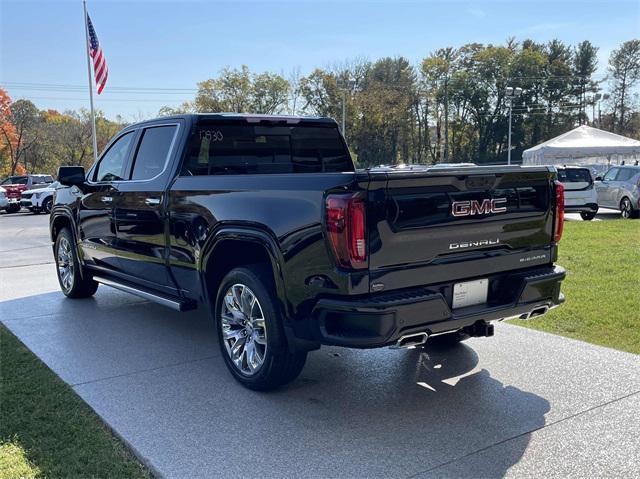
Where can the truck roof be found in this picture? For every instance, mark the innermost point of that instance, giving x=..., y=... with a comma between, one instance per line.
x=248, y=117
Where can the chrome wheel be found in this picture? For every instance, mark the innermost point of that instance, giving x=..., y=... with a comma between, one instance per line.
x=65, y=263
x=244, y=330
x=625, y=208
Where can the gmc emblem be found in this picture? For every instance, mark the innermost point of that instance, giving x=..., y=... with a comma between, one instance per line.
x=474, y=207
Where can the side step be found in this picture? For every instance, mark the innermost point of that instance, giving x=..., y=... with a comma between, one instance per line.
x=178, y=304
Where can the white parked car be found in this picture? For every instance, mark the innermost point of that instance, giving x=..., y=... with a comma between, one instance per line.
x=580, y=195
x=39, y=200
x=4, y=201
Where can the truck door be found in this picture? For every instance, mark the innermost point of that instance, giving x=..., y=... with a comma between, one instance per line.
x=96, y=224
x=140, y=207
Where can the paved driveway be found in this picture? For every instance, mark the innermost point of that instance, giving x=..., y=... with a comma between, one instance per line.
x=523, y=403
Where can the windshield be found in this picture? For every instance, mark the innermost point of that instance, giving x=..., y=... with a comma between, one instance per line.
x=231, y=149
x=574, y=175
x=15, y=180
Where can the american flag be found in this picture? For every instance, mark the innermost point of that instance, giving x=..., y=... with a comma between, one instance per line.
x=99, y=63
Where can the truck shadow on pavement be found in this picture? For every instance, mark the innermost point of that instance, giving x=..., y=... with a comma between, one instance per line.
x=155, y=376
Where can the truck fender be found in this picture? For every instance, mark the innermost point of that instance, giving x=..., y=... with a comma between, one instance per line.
x=254, y=235
x=64, y=214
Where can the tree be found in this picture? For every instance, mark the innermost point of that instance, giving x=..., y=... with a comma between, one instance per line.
x=624, y=66
x=7, y=135
x=270, y=93
x=585, y=63
x=24, y=117
x=437, y=68
x=241, y=91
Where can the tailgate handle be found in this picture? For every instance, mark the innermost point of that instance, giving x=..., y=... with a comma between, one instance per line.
x=480, y=182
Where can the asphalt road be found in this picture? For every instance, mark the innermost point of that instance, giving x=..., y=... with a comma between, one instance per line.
x=522, y=403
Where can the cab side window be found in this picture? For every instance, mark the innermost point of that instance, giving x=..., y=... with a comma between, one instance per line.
x=152, y=152
x=112, y=163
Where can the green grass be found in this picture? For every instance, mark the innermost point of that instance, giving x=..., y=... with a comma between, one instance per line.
x=46, y=430
x=602, y=288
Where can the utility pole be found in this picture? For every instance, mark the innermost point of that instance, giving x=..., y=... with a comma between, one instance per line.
x=511, y=94
x=599, y=98
x=446, y=118
x=345, y=85
x=344, y=113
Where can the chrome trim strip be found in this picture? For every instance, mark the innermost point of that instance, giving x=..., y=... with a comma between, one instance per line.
x=177, y=305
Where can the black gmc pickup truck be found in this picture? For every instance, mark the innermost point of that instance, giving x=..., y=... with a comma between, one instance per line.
x=264, y=223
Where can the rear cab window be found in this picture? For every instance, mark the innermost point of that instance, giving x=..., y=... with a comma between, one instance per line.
x=239, y=148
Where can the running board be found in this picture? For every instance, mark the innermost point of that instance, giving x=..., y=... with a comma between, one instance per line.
x=179, y=304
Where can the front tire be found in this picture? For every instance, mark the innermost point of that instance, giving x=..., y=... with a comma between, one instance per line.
x=251, y=332
x=46, y=205
x=71, y=281
x=587, y=215
x=13, y=208
x=626, y=209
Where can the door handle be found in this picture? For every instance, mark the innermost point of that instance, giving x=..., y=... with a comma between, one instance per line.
x=152, y=201
x=107, y=199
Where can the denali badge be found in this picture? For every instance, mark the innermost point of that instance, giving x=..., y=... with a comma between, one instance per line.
x=474, y=207
x=474, y=244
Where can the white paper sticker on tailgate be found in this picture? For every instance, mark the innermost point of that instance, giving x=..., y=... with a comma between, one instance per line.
x=470, y=293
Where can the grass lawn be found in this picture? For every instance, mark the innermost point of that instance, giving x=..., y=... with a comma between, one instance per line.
x=46, y=430
x=602, y=259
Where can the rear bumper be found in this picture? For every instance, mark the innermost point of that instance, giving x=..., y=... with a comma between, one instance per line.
x=588, y=207
x=381, y=319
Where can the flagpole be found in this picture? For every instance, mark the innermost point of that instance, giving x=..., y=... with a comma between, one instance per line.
x=93, y=116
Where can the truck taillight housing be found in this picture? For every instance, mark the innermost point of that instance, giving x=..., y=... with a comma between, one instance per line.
x=346, y=230
x=559, y=221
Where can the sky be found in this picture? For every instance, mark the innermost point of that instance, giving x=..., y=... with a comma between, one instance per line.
x=157, y=51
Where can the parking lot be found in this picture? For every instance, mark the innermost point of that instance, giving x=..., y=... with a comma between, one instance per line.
x=523, y=403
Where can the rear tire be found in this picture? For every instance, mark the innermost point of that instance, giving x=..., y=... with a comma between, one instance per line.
x=72, y=282
x=587, y=215
x=13, y=208
x=251, y=331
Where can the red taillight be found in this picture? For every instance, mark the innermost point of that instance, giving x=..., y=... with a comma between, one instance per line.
x=559, y=223
x=346, y=228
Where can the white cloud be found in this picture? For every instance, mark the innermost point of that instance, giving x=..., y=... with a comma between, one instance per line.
x=476, y=12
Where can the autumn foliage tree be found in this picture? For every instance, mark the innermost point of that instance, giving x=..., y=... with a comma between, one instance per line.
x=8, y=135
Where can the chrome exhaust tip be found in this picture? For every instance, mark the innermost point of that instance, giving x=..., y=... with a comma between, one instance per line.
x=535, y=312
x=410, y=341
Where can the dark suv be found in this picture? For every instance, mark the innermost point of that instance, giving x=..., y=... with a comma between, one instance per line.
x=263, y=223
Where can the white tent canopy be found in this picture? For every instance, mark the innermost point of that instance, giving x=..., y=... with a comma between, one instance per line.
x=583, y=145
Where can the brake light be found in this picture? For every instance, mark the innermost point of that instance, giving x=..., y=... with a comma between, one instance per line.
x=346, y=228
x=559, y=223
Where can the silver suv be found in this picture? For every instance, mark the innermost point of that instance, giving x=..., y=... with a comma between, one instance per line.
x=619, y=189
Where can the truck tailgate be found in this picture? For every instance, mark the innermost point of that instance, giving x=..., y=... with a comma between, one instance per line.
x=441, y=225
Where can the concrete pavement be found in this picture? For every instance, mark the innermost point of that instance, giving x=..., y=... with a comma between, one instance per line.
x=522, y=403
